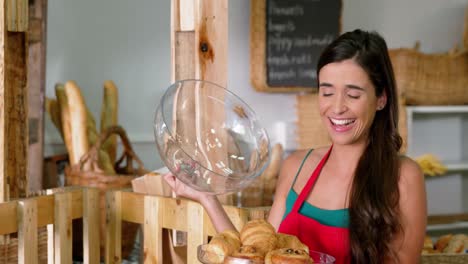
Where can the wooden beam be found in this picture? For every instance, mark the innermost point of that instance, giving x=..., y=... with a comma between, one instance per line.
x=13, y=111
x=36, y=86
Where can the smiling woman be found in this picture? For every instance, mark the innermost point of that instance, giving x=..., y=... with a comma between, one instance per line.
x=358, y=199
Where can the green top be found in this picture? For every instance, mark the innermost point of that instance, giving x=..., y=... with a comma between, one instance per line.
x=336, y=218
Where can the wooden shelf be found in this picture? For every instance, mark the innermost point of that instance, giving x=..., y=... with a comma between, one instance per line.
x=456, y=165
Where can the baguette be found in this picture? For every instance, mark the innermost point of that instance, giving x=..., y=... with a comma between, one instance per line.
x=109, y=117
x=270, y=175
x=77, y=112
x=65, y=120
x=52, y=107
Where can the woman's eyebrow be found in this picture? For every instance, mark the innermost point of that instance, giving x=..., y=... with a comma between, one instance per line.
x=326, y=84
x=352, y=86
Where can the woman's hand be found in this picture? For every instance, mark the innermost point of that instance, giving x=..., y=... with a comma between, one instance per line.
x=181, y=189
x=210, y=202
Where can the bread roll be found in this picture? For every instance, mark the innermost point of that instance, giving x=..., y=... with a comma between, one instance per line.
x=456, y=244
x=290, y=241
x=288, y=255
x=428, y=244
x=260, y=234
x=443, y=241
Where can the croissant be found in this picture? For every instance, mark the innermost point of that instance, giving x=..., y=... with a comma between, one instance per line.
x=290, y=241
x=222, y=245
x=259, y=234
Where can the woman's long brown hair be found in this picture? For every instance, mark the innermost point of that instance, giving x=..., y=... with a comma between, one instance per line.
x=374, y=197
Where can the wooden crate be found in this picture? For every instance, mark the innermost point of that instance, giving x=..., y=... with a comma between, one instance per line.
x=55, y=210
x=156, y=213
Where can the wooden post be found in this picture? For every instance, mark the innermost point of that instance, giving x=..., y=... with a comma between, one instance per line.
x=199, y=38
x=13, y=102
x=152, y=230
x=36, y=87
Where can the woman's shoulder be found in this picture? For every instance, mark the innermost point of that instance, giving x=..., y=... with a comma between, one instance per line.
x=311, y=154
x=411, y=175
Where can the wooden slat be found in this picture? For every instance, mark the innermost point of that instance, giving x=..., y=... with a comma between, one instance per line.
x=27, y=232
x=152, y=229
x=63, y=227
x=196, y=231
x=50, y=239
x=91, y=223
x=114, y=227
x=17, y=15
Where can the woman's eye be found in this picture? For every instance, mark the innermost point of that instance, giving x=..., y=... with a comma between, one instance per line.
x=327, y=94
x=354, y=96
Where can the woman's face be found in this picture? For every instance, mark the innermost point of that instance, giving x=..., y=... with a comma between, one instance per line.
x=347, y=102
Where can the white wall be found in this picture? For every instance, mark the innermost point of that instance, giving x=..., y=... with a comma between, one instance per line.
x=129, y=42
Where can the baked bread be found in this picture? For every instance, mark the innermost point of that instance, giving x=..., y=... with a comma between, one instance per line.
x=428, y=244
x=222, y=245
x=456, y=244
x=443, y=241
x=288, y=256
x=290, y=241
x=259, y=234
x=245, y=254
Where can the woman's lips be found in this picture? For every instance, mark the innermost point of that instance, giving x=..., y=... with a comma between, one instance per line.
x=342, y=124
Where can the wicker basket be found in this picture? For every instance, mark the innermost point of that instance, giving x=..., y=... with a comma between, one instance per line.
x=76, y=175
x=433, y=79
x=9, y=247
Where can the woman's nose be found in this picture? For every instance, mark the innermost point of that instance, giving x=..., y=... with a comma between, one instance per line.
x=339, y=105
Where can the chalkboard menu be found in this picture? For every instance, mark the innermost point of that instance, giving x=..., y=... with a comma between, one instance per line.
x=294, y=34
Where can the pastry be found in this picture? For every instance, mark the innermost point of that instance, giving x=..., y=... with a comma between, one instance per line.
x=245, y=254
x=260, y=234
x=290, y=241
x=456, y=244
x=222, y=245
x=288, y=256
x=428, y=243
x=443, y=241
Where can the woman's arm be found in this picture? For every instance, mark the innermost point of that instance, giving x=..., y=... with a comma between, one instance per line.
x=413, y=210
x=288, y=170
x=213, y=207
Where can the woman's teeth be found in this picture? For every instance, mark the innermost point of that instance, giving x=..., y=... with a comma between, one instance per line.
x=342, y=122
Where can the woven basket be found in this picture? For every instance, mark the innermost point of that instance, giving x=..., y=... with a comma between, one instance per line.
x=433, y=79
x=444, y=259
x=76, y=175
x=9, y=247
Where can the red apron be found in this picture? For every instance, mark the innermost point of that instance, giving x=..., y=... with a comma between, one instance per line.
x=318, y=237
